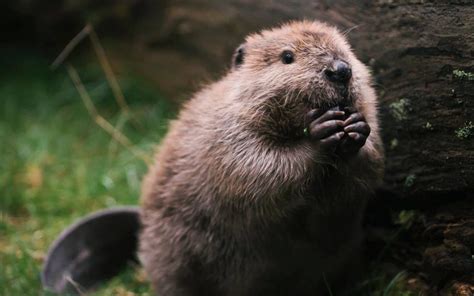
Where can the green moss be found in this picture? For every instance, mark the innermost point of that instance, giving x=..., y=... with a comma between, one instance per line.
x=406, y=218
x=399, y=109
x=410, y=180
x=428, y=126
x=463, y=75
x=393, y=143
x=466, y=131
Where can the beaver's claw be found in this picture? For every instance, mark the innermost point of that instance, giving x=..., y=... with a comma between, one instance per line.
x=326, y=127
x=357, y=131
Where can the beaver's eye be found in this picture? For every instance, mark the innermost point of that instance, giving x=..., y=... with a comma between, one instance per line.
x=287, y=57
x=239, y=57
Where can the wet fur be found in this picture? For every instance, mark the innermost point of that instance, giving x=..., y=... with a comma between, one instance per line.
x=239, y=202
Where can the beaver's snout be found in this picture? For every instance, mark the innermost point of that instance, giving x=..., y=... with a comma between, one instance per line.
x=339, y=72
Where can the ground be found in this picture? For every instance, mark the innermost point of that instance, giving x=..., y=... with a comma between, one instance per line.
x=57, y=165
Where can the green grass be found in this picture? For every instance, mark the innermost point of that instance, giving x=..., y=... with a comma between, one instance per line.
x=57, y=165
x=379, y=283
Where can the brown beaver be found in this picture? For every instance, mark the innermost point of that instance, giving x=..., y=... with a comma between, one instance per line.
x=260, y=185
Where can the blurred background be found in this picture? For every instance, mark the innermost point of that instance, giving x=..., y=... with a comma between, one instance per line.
x=87, y=89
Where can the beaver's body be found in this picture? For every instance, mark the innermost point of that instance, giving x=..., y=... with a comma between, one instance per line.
x=241, y=201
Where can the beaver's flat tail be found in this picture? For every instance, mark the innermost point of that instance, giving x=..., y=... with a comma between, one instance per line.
x=92, y=250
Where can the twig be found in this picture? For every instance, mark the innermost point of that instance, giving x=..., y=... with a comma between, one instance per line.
x=327, y=285
x=88, y=30
x=99, y=120
x=109, y=74
x=71, y=45
x=111, y=78
x=76, y=285
x=122, y=119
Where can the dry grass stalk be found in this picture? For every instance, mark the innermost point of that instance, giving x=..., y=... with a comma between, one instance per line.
x=115, y=133
x=71, y=45
x=101, y=121
x=109, y=74
x=88, y=30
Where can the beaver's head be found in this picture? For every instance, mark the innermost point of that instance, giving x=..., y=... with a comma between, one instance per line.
x=307, y=63
x=282, y=73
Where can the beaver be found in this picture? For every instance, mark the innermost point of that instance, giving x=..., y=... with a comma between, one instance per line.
x=260, y=185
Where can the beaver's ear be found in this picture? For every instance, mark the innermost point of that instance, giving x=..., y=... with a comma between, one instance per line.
x=238, y=57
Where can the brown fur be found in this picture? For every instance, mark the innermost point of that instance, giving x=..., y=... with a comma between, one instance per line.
x=239, y=202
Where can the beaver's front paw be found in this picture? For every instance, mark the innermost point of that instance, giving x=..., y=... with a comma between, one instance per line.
x=356, y=130
x=326, y=127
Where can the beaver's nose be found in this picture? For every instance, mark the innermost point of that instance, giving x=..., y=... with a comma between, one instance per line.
x=339, y=72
